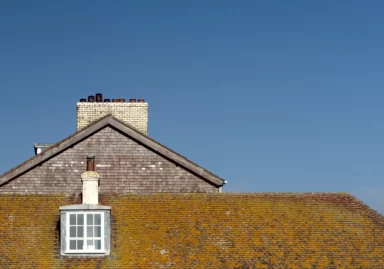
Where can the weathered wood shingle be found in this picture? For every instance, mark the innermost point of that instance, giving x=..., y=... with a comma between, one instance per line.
x=124, y=165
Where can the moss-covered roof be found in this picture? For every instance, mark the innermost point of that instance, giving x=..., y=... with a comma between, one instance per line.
x=202, y=231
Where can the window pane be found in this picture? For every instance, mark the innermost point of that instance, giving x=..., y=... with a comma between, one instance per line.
x=80, y=219
x=97, y=231
x=98, y=219
x=98, y=244
x=72, y=231
x=89, y=219
x=90, y=231
x=72, y=219
x=80, y=244
x=90, y=245
x=80, y=231
x=72, y=244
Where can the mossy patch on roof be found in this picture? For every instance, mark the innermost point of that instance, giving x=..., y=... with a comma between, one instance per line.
x=202, y=231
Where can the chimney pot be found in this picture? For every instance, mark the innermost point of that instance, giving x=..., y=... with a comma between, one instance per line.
x=121, y=100
x=91, y=163
x=91, y=98
x=99, y=97
x=132, y=100
x=83, y=100
x=115, y=100
x=141, y=100
x=107, y=100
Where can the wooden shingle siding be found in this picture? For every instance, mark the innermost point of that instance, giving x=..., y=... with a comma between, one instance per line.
x=124, y=166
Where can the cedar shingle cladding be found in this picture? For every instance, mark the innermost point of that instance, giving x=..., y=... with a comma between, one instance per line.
x=202, y=231
x=123, y=164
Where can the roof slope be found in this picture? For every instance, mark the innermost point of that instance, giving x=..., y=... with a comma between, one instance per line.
x=121, y=127
x=202, y=231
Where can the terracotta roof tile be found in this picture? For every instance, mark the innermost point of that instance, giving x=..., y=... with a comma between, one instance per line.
x=202, y=231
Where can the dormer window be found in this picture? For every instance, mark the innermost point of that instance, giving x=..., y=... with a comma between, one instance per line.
x=85, y=232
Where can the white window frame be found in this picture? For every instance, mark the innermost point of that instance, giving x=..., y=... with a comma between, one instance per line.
x=85, y=236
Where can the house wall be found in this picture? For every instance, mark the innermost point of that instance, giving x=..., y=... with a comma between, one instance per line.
x=135, y=114
x=124, y=166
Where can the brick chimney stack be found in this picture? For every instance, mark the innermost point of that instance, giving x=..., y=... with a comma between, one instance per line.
x=132, y=112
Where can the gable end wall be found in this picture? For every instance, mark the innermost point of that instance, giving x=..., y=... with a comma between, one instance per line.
x=124, y=166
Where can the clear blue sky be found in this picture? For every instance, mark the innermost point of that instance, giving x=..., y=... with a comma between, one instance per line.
x=273, y=96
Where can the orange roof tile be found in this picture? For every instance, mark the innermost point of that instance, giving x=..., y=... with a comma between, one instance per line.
x=202, y=231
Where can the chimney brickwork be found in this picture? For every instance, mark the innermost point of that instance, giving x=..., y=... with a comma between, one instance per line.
x=135, y=114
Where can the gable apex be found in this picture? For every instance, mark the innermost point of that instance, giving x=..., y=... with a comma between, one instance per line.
x=122, y=127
